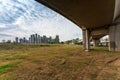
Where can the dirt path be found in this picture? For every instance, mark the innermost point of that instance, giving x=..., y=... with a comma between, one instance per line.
x=116, y=63
x=111, y=71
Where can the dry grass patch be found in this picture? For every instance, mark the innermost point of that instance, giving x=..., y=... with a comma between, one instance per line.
x=59, y=62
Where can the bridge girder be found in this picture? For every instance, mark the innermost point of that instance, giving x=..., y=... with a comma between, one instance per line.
x=91, y=15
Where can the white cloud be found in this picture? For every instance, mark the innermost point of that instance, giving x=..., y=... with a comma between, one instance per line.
x=38, y=19
x=51, y=27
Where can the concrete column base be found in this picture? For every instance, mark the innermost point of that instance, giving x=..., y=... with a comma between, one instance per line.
x=114, y=34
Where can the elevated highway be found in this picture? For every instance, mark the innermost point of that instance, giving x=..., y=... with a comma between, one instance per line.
x=96, y=18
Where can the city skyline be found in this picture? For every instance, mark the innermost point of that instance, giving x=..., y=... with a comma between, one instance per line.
x=37, y=39
x=23, y=17
x=53, y=39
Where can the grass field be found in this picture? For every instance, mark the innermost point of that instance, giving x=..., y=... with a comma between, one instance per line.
x=57, y=62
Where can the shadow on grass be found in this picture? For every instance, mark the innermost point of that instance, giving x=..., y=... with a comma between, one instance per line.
x=100, y=49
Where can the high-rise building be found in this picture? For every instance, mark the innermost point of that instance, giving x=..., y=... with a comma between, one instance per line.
x=24, y=40
x=37, y=39
x=57, y=39
x=33, y=39
x=50, y=39
x=29, y=41
x=16, y=40
x=44, y=39
x=21, y=40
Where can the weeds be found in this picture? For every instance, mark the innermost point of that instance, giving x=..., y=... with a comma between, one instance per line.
x=3, y=68
x=45, y=62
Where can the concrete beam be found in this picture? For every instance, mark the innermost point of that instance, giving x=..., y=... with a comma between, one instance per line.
x=84, y=12
x=100, y=32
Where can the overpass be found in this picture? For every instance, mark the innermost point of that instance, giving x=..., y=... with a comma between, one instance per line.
x=96, y=18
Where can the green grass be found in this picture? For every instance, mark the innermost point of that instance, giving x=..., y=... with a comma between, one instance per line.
x=57, y=62
x=4, y=67
x=55, y=78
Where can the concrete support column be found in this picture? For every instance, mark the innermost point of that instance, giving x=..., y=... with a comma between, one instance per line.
x=86, y=39
x=96, y=42
x=112, y=46
x=114, y=35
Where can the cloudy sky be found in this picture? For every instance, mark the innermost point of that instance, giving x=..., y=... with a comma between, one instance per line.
x=20, y=18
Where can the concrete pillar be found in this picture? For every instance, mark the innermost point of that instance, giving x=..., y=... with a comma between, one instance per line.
x=117, y=37
x=86, y=39
x=112, y=30
x=114, y=35
x=96, y=42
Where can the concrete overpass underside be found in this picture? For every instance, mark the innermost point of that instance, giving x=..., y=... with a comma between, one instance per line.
x=96, y=18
